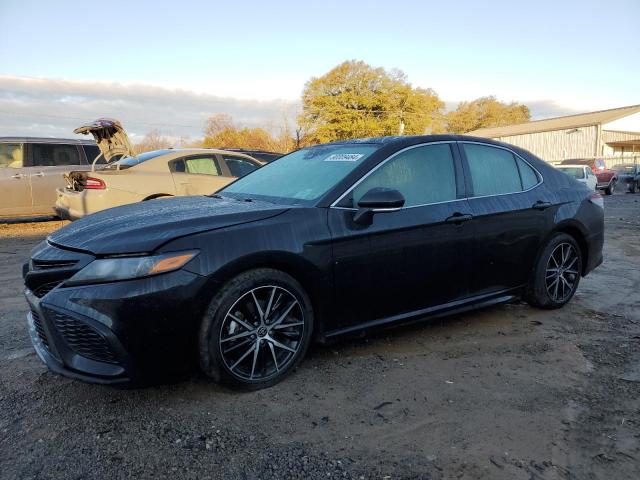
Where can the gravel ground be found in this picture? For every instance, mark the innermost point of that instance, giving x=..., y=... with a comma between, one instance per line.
x=508, y=392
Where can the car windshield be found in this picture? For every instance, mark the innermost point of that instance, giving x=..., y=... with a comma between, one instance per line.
x=575, y=172
x=129, y=162
x=623, y=168
x=302, y=176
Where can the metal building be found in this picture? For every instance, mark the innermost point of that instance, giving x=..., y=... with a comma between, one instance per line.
x=608, y=134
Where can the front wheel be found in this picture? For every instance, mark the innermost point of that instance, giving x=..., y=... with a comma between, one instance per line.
x=557, y=273
x=256, y=329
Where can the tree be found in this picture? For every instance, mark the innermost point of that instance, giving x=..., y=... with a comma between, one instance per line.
x=357, y=100
x=221, y=132
x=153, y=140
x=217, y=123
x=485, y=112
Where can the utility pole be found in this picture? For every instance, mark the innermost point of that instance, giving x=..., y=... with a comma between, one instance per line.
x=401, y=126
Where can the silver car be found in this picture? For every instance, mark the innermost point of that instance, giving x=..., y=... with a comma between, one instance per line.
x=31, y=170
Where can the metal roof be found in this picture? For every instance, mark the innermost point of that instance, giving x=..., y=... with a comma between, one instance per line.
x=558, y=123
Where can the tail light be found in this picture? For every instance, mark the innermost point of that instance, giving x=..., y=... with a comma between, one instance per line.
x=92, y=183
x=597, y=199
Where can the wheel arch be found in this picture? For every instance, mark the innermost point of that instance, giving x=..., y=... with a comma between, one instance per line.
x=578, y=233
x=302, y=270
x=157, y=195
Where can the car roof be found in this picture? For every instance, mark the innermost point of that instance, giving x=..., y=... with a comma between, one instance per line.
x=182, y=151
x=247, y=150
x=75, y=141
x=166, y=155
x=408, y=140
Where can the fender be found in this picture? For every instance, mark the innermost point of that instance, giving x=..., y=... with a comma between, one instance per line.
x=317, y=284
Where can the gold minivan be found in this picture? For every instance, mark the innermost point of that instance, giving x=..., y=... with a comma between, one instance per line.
x=31, y=170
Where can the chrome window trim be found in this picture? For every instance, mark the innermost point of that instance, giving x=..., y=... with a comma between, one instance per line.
x=516, y=155
x=363, y=178
x=353, y=209
x=541, y=178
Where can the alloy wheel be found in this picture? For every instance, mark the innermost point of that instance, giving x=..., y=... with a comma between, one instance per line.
x=561, y=276
x=261, y=333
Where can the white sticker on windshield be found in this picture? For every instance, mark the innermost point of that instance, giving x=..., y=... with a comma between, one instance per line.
x=344, y=157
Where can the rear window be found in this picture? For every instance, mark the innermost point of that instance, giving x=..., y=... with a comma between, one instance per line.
x=129, y=162
x=574, y=172
x=266, y=157
x=624, y=168
x=91, y=152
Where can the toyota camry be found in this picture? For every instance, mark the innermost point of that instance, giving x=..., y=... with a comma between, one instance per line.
x=328, y=241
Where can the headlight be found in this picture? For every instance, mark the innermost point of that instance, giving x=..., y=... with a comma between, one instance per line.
x=125, y=268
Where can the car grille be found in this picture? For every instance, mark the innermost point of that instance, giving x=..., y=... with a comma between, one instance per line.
x=39, y=329
x=82, y=338
x=46, y=264
x=42, y=290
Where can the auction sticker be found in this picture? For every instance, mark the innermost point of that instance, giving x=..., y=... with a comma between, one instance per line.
x=344, y=157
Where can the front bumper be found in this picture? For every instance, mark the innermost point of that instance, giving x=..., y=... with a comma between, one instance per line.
x=121, y=332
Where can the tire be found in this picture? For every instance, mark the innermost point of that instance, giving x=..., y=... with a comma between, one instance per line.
x=550, y=292
x=256, y=330
x=633, y=187
x=611, y=188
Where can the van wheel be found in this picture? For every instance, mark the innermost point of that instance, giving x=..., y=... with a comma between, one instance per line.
x=256, y=330
x=556, y=275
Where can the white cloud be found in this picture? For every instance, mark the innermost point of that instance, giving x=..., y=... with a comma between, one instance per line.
x=52, y=107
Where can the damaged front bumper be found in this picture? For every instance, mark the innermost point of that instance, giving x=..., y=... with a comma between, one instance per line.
x=118, y=333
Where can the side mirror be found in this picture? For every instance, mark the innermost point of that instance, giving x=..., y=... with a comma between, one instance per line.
x=378, y=200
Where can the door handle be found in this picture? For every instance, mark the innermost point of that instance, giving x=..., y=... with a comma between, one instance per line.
x=38, y=174
x=540, y=205
x=17, y=176
x=459, y=218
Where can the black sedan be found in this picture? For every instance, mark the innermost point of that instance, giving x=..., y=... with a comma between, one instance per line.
x=327, y=241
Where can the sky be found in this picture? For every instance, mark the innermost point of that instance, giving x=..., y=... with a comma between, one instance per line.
x=169, y=65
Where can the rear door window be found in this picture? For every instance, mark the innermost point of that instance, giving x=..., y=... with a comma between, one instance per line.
x=11, y=155
x=54, y=155
x=238, y=166
x=493, y=171
x=201, y=165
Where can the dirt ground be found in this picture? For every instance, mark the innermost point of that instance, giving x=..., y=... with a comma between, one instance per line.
x=509, y=392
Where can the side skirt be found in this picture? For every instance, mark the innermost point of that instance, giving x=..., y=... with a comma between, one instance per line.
x=424, y=314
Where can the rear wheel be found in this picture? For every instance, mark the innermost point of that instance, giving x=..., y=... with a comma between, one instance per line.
x=557, y=273
x=256, y=329
x=633, y=187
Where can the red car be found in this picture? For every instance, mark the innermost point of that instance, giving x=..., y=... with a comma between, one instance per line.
x=607, y=179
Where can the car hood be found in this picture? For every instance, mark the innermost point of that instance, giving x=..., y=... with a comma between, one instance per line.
x=110, y=136
x=143, y=227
